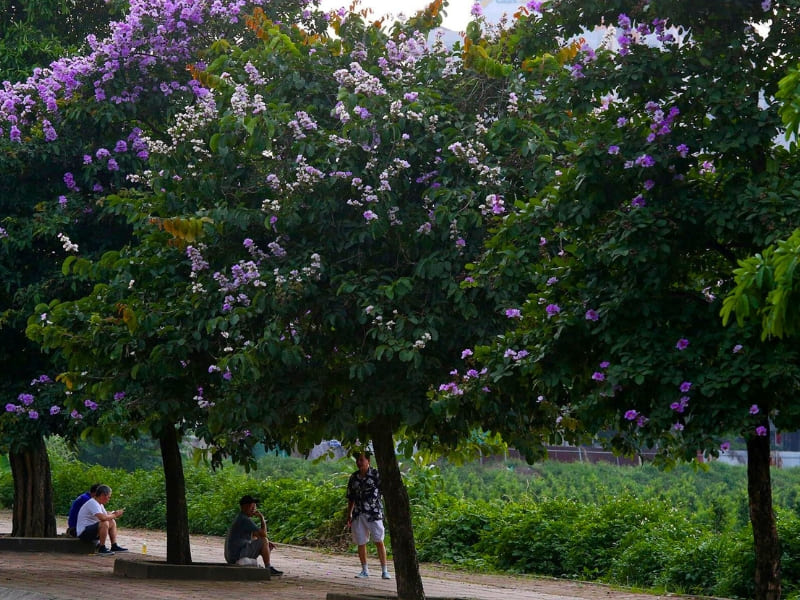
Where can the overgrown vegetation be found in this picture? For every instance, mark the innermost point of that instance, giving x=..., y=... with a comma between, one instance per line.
x=683, y=530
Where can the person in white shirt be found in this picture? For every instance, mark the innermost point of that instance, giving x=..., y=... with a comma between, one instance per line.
x=95, y=524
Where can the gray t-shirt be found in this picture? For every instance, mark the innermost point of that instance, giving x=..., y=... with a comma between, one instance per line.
x=239, y=535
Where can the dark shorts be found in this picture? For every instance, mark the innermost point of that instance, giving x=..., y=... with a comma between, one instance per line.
x=253, y=549
x=90, y=533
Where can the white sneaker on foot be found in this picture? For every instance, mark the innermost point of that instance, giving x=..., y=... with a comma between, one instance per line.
x=385, y=575
x=362, y=575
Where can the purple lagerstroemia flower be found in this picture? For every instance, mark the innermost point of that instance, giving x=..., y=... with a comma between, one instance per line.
x=591, y=315
x=369, y=215
x=682, y=344
x=598, y=376
x=737, y=348
x=33, y=414
x=681, y=405
x=686, y=386
x=11, y=407
x=622, y=121
x=461, y=242
x=542, y=241
x=54, y=410
x=410, y=96
x=631, y=415
x=682, y=149
x=465, y=353
x=754, y=410
x=26, y=399
x=638, y=201
x=552, y=281
x=725, y=446
x=649, y=184
x=76, y=415
x=91, y=405
x=476, y=10
x=645, y=161
x=604, y=364
x=761, y=431
x=513, y=313
x=119, y=396
x=552, y=309
x=613, y=149
x=227, y=375
x=678, y=427
x=641, y=421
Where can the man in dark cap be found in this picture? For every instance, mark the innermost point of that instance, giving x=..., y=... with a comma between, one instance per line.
x=246, y=540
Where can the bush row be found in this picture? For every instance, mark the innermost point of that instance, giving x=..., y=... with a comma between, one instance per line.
x=680, y=531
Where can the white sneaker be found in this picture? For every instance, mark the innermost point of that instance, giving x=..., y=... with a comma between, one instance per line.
x=362, y=575
x=385, y=575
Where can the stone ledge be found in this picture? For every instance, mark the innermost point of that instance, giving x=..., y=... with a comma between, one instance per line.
x=153, y=569
x=368, y=596
x=61, y=544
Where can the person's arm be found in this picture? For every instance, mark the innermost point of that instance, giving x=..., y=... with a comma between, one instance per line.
x=261, y=531
x=350, y=506
x=109, y=516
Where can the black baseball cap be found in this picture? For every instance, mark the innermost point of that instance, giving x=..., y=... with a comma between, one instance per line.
x=247, y=499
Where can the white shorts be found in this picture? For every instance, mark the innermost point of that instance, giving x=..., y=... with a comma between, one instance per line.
x=362, y=529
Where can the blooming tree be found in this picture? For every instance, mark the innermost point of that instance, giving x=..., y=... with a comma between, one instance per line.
x=71, y=132
x=302, y=265
x=669, y=171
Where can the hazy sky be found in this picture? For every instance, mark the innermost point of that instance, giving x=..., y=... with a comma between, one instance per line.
x=457, y=11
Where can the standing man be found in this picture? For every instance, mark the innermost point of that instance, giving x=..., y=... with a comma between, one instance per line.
x=75, y=507
x=246, y=540
x=365, y=514
x=95, y=524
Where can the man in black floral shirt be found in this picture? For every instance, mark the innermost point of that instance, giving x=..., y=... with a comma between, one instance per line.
x=365, y=514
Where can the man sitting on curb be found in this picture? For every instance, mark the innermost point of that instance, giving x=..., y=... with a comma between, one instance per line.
x=75, y=507
x=247, y=541
x=95, y=524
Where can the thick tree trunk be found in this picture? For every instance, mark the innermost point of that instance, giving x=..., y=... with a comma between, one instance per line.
x=765, y=533
x=33, y=514
x=398, y=516
x=178, y=550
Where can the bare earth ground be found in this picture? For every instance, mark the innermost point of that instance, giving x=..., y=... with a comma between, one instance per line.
x=308, y=575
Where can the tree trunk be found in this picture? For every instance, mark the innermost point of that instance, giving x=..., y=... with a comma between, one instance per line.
x=398, y=516
x=765, y=533
x=33, y=514
x=178, y=550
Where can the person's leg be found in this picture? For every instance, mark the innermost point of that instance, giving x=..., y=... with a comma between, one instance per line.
x=377, y=532
x=102, y=532
x=360, y=537
x=112, y=531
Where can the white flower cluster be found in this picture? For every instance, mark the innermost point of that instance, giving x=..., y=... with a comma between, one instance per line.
x=422, y=342
x=68, y=245
x=359, y=81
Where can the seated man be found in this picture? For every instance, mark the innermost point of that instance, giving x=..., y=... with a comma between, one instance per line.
x=246, y=540
x=95, y=524
x=75, y=507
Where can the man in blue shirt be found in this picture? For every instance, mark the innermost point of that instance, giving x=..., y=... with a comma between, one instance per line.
x=246, y=540
x=365, y=513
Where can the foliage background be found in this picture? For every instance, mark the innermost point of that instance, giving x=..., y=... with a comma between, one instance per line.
x=683, y=530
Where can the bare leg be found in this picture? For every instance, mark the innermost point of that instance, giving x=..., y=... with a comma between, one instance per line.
x=362, y=554
x=112, y=531
x=265, y=553
x=381, y=548
x=102, y=532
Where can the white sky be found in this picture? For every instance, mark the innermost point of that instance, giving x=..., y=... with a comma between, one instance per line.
x=457, y=10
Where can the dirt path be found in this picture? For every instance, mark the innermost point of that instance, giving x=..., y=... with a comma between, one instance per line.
x=308, y=575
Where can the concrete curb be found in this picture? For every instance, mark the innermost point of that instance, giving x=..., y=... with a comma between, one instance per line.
x=153, y=569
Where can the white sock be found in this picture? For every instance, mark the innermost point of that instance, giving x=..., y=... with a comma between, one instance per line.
x=364, y=569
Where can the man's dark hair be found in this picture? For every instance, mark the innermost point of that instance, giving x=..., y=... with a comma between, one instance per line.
x=93, y=489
